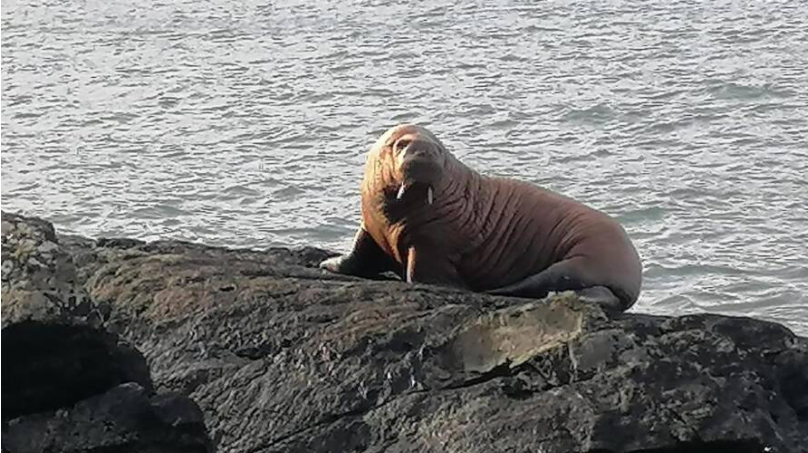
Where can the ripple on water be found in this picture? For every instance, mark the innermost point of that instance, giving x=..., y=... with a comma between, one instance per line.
x=246, y=124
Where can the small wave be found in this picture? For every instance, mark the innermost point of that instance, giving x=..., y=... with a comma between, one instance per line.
x=159, y=211
x=596, y=114
x=739, y=91
x=658, y=270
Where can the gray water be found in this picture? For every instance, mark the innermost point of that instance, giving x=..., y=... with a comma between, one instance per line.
x=245, y=123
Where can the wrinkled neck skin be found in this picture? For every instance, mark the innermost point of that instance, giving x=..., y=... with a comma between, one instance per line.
x=397, y=223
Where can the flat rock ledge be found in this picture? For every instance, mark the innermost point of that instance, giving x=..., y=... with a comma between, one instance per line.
x=121, y=345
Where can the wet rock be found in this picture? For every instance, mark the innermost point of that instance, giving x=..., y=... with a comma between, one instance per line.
x=282, y=356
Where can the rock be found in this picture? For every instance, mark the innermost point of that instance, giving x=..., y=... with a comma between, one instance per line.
x=63, y=369
x=49, y=366
x=282, y=356
x=123, y=419
x=54, y=355
x=76, y=388
x=39, y=278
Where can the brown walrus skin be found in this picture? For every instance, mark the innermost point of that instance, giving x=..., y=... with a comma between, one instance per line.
x=432, y=219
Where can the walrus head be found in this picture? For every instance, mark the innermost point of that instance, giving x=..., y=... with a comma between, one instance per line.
x=408, y=161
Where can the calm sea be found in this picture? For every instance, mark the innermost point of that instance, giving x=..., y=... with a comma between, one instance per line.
x=245, y=123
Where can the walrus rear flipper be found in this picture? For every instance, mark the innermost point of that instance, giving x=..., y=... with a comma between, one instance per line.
x=563, y=276
x=366, y=259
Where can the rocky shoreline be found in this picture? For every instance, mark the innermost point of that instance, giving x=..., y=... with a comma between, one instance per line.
x=120, y=345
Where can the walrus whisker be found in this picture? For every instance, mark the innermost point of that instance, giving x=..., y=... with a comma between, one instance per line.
x=401, y=191
x=429, y=195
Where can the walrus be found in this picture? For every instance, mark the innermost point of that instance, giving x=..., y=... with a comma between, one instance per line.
x=431, y=219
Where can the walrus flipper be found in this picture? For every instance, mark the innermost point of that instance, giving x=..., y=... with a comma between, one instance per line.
x=366, y=258
x=562, y=276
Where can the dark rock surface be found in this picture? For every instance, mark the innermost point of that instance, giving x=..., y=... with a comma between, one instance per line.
x=123, y=419
x=281, y=356
x=50, y=366
x=68, y=384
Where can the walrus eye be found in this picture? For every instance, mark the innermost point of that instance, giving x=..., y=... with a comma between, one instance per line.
x=401, y=145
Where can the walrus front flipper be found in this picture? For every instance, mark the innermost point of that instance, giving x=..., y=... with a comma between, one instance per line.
x=366, y=258
x=565, y=275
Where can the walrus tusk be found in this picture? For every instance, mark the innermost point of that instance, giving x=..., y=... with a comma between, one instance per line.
x=401, y=191
x=429, y=194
